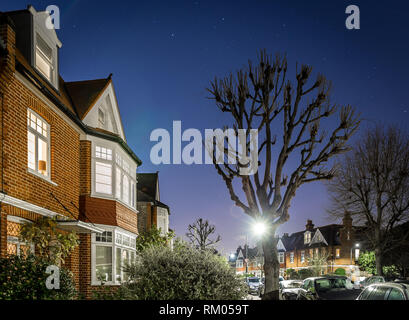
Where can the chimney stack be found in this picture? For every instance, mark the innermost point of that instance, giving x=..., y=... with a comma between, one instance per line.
x=309, y=226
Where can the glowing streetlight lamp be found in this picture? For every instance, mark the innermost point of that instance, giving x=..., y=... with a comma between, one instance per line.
x=259, y=228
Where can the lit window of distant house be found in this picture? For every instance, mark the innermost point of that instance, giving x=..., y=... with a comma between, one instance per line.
x=281, y=257
x=348, y=235
x=38, y=143
x=44, y=58
x=311, y=252
x=292, y=257
x=302, y=257
x=307, y=237
x=239, y=263
x=337, y=253
x=317, y=251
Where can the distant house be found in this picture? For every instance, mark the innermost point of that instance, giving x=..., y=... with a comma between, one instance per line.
x=151, y=210
x=338, y=242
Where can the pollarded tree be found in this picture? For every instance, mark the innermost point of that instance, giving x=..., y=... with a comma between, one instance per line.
x=372, y=183
x=262, y=98
x=200, y=232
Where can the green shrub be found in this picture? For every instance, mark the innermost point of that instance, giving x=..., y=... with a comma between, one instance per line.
x=292, y=274
x=340, y=272
x=184, y=273
x=305, y=273
x=25, y=279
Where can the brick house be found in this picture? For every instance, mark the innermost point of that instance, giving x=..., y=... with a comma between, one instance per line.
x=151, y=210
x=335, y=241
x=63, y=154
x=340, y=242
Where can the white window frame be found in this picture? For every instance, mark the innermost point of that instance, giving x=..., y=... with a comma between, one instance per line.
x=302, y=256
x=39, y=136
x=128, y=169
x=307, y=237
x=113, y=245
x=53, y=80
x=291, y=257
x=239, y=263
x=281, y=257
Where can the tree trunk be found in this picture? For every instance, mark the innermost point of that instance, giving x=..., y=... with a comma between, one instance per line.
x=271, y=269
x=378, y=262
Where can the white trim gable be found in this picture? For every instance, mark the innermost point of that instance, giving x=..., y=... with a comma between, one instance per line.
x=108, y=104
x=280, y=245
x=240, y=255
x=316, y=237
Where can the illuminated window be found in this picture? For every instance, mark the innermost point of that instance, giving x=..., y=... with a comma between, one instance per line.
x=281, y=257
x=44, y=58
x=38, y=144
x=337, y=253
x=302, y=257
x=307, y=237
x=103, y=177
x=103, y=153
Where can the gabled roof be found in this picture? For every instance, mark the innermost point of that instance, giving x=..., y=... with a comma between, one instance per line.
x=296, y=240
x=148, y=184
x=148, y=190
x=85, y=93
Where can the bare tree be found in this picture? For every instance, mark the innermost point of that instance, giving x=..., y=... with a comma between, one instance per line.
x=260, y=97
x=372, y=184
x=200, y=232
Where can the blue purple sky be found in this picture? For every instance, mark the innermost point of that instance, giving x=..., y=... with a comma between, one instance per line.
x=164, y=53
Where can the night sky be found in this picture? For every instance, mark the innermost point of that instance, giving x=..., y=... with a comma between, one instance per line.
x=164, y=53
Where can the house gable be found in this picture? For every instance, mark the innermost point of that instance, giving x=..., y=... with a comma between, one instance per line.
x=280, y=245
x=103, y=113
x=318, y=238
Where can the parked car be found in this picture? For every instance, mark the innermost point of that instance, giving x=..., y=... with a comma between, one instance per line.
x=254, y=284
x=385, y=291
x=289, y=289
x=261, y=291
x=327, y=288
x=371, y=280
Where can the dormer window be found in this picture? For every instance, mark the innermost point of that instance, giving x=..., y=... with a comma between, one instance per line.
x=307, y=237
x=44, y=58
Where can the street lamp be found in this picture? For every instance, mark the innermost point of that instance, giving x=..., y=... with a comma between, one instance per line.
x=259, y=228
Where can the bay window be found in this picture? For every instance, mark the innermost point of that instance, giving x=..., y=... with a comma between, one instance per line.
x=113, y=175
x=111, y=252
x=38, y=144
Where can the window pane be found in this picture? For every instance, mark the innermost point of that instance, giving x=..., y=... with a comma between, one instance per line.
x=31, y=150
x=125, y=189
x=118, y=183
x=395, y=294
x=103, y=177
x=42, y=157
x=118, y=265
x=378, y=293
x=43, y=65
x=103, y=263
